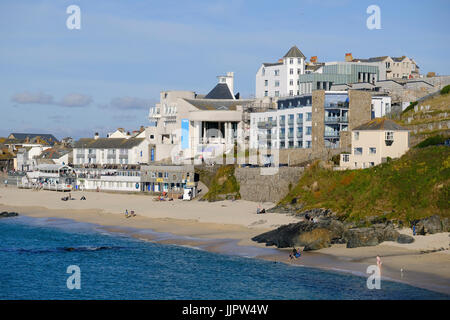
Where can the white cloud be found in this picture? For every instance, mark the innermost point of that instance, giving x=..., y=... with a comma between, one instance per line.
x=32, y=98
x=69, y=100
x=75, y=100
x=130, y=103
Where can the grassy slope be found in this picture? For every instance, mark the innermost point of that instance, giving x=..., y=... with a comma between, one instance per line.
x=223, y=182
x=414, y=186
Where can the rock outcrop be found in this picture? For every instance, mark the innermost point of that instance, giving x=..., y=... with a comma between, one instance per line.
x=6, y=214
x=404, y=238
x=433, y=224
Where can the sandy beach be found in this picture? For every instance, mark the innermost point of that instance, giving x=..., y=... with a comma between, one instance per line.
x=228, y=226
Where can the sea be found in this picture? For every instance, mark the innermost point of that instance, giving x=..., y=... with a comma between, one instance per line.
x=48, y=258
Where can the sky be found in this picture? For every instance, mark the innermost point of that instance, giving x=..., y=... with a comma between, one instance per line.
x=105, y=75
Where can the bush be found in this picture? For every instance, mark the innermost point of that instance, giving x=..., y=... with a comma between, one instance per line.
x=432, y=141
x=446, y=89
x=410, y=107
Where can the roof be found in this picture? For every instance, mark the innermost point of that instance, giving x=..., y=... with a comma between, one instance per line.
x=294, y=52
x=49, y=138
x=54, y=153
x=380, y=124
x=216, y=104
x=398, y=59
x=220, y=91
x=108, y=143
x=373, y=59
x=269, y=64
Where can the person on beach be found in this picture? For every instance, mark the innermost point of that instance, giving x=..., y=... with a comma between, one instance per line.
x=126, y=213
x=379, y=263
x=414, y=230
x=294, y=254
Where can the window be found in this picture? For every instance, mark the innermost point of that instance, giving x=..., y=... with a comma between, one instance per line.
x=371, y=164
x=291, y=71
x=291, y=82
x=389, y=135
x=372, y=150
x=277, y=72
x=277, y=93
x=266, y=83
x=277, y=83
x=308, y=131
x=356, y=136
x=308, y=116
x=291, y=92
x=345, y=158
x=299, y=61
x=308, y=144
x=266, y=93
x=358, y=151
x=291, y=61
x=263, y=71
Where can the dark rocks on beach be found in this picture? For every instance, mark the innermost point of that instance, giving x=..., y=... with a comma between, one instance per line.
x=431, y=225
x=404, y=238
x=6, y=214
x=361, y=237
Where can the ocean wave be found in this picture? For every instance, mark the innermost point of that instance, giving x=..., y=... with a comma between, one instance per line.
x=60, y=249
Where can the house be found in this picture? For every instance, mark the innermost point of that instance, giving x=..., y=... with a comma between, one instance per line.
x=279, y=79
x=374, y=142
x=39, y=138
x=394, y=67
x=56, y=155
x=168, y=178
x=102, y=151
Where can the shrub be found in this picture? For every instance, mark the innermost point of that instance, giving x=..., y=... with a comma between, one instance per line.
x=410, y=107
x=432, y=141
x=446, y=89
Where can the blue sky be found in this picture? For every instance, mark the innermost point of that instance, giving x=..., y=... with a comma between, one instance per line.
x=107, y=74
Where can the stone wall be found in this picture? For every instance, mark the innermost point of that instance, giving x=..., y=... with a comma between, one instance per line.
x=266, y=188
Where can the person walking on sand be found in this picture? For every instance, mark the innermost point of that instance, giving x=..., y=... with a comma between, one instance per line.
x=379, y=263
x=126, y=213
x=414, y=229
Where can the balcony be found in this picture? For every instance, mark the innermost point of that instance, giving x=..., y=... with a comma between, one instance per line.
x=282, y=136
x=111, y=156
x=336, y=119
x=290, y=122
x=80, y=155
x=290, y=135
x=299, y=120
x=92, y=156
x=282, y=124
x=331, y=134
x=123, y=156
x=267, y=124
x=299, y=135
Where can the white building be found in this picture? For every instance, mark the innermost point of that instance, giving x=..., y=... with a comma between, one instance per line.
x=101, y=151
x=381, y=105
x=280, y=79
x=374, y=142
x=109, y=179
x=289, y=127
x=186, y=125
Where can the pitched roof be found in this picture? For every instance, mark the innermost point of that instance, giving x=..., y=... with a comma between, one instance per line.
x=380, y=124
x=294, y=52
x=108, y=143
x=54, y=153
x=220, y=91
x=49, y=138
x=373, y=59
x=269, y=64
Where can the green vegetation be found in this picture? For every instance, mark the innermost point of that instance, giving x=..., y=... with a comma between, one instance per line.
x=410, y=107
x=432, y=141
x=445, y=90
x=222, y=185
x=415, y=186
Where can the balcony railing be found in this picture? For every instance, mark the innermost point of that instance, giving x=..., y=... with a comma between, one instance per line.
x=336, y=119
x=299, y=120
x=282, y=135
x=332, y=134
x=282, y=123
x=111, y=156
x=290, y=122
x=92, y=156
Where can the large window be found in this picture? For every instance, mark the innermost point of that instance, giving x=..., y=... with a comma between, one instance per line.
x=266, y=83
x=345, y=158
x=277, y=83
x=358, y=151
x=356, y=136
x=308, y=131
x=308, y=116
x=372, y=150
x=277, y=72
x=389, y=135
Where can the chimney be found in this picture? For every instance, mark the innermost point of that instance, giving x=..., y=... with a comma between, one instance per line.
x=313, y=59
x=348, y=57
x=96, y=136
x=142, y=129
